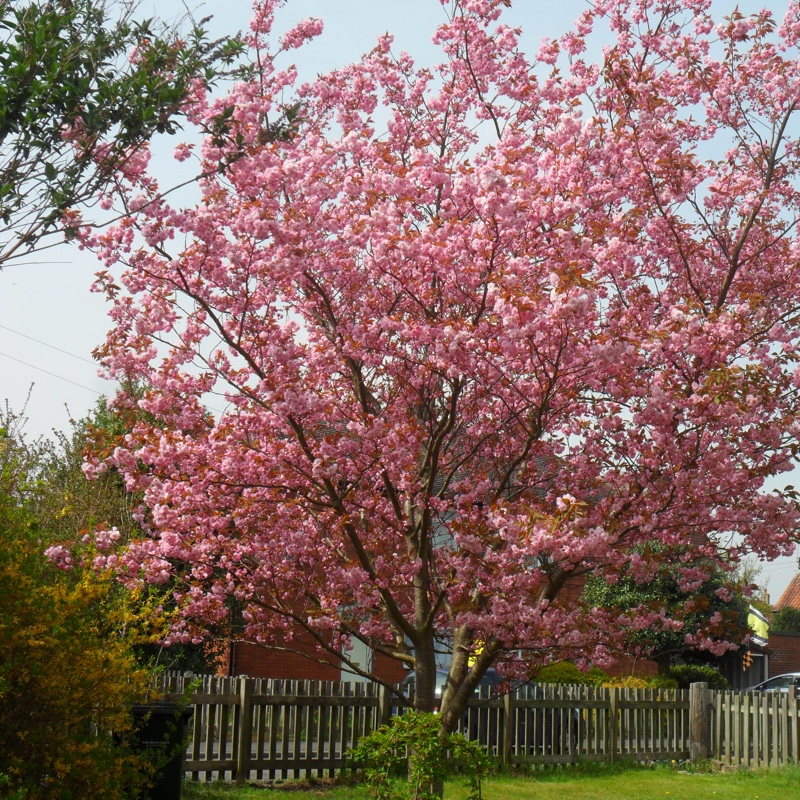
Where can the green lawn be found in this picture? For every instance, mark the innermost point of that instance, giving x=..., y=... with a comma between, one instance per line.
x=619, y=783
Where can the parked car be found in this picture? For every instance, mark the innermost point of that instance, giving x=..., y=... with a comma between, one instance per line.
x=780, y=683
x=490, y=678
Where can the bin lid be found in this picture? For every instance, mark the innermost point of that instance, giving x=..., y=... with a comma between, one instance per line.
x=162, y=708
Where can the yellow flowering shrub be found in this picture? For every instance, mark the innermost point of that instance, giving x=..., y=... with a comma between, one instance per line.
x=68, y=675
x=66, y=683
x=641, y=682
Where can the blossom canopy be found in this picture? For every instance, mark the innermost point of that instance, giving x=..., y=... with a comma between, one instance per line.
x=481, y=329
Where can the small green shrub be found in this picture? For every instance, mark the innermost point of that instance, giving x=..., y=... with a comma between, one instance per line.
x=413, y=744
x=7, y=792
x=686, y=674
x=567, y=672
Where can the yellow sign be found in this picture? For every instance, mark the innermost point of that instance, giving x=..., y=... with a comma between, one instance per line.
x=759, y=627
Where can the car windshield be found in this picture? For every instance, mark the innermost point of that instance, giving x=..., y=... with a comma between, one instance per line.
x=490, y=678
x=781, y=682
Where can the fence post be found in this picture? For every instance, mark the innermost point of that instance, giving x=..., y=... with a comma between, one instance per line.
x=508, y=728
x=384, y=706
x=699, y=727
x=794, y=725
x=245, y=730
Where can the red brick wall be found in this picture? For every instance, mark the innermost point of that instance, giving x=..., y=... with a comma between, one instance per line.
x=572, y=591
x=224, y=660
x=388, y=669
x=264, y=662
x=784, y=653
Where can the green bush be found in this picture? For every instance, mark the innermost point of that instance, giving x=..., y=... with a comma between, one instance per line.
x=567, y=672
x=66, y=681
x=414, y=741
x=68, y=675
x=686, y=674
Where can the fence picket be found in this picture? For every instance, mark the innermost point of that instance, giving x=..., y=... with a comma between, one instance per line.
x=743, y=743
x=794, y=725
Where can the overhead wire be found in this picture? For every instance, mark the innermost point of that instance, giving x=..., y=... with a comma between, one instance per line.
x=46, y=344
x=52, y=374
x=65, y=352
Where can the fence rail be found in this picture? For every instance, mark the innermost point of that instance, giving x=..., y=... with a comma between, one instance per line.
x=262, y=729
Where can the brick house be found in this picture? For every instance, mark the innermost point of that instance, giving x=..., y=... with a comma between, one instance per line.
x=784, y=653
x=791, y=595
x=302, y=663
x=784, y=647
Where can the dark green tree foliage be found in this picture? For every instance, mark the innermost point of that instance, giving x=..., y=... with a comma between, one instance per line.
x=786, y=620
x=567, y=672
x=700, y=610
x=687, y=674
x=74, y=106
x=65, y=503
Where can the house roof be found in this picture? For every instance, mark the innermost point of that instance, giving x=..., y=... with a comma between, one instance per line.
x=791, y=595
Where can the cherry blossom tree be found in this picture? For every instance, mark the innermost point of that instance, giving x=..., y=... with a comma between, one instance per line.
x=476, y=331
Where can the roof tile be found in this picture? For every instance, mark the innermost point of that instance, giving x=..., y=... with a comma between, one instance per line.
x=791, y=595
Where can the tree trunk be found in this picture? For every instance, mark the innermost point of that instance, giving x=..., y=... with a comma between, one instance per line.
x=425, y=679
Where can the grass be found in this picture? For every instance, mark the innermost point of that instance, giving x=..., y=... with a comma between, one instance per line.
x=618, y=782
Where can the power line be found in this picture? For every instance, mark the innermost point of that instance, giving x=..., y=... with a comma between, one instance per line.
x=51, y=346
x=61, y=378
x=52, y=374
x=65, y=352
x=773, y=567
x=32, y=263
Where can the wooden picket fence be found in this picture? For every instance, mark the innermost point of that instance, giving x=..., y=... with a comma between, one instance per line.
x=263, y=729
x=565, y=724
x=259, y=729
x=755, y=729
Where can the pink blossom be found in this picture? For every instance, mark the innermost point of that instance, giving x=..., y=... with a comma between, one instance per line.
x=304, y=31
x=61, y=556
